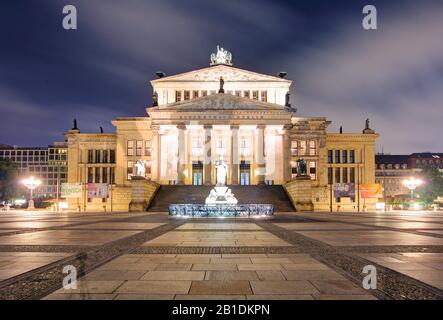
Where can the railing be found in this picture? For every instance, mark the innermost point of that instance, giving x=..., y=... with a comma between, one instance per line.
x=204, y=210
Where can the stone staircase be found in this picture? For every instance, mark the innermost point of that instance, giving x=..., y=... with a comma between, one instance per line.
x=274, y=195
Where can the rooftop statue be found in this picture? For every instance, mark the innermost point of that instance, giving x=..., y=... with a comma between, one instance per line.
x=221, y=57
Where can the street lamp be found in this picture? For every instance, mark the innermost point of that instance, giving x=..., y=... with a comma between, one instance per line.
x=31, y=184
x=412, y=184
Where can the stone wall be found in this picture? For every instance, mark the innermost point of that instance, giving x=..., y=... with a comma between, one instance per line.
x=142, y=193
x=300, y=193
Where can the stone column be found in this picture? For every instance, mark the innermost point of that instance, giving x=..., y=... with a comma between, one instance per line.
x=287, y=153
x=260, y=154
x=235, y=159
x=155, y=153
x=181, y=146
x=208, y=156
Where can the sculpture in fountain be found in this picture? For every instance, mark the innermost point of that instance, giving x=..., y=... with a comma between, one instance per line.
x=221, y=194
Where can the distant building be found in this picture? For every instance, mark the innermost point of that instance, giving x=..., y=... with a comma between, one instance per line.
x=426, y=159
x=47, y=164
x=390, y=172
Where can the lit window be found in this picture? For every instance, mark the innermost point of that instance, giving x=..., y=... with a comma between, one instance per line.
x=312, y=148
x=148, y=148
x=220, y=147
x=130, y=169
x=302, y=148
x=139, y=147
x=294, y=148
x=313, y=170
x=245, y=149
x=264, y=96
x=178, y=96
x=197, y=146
x=131, y=147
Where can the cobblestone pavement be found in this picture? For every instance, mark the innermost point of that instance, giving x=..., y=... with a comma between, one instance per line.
x=291, y=256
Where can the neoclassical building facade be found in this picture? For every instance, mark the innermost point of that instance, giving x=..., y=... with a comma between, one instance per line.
x=220, y=114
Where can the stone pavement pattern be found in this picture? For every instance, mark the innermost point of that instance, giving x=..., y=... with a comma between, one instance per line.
x=220, y=258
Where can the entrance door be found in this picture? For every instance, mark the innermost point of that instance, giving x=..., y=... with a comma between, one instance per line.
x=197, y=173
x=245, y=173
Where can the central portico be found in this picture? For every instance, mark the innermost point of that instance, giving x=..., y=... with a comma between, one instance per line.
x=190, y=136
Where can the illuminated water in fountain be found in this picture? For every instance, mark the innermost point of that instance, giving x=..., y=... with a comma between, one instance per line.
x=221, y=203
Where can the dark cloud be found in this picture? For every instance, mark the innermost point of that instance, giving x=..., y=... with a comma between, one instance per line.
x=101, y=71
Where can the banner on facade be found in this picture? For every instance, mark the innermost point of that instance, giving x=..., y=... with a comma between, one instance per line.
x=371, y=190
x=98, y=190
x=344, y=190
x=71, y=190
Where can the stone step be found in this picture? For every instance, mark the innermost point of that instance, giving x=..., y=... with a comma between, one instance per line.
x=274, y=195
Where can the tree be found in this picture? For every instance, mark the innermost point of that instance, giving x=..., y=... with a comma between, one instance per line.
x=432, y=187
x=9, y=184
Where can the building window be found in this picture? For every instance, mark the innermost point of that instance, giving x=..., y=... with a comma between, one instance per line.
x=130, y=170
x=351, y=156
x=204, y=93
x=264, y=96
x=312, y=148
x=220, y=147
x=302, y=148
x=97, y=156
x=195, y=94
x=255, y=95
x=105, y=156
x=112, y=156
x=148, y=167
x=352, y=175
x=90, y=156
x=344, y=156
x=329, y=175
x=178, y=96
x=337, y=175
x=104, y=175
x=337, y=156
x=312, y=170
x=186, y=95
x=90, y=175
x=245, y=148
x=247, y=94
x=345, y=175
x=238, y=93
x=197, y=146
x=329, y=156
x=97, y=175
x=294, y=148
x=139, y=151
x=148, y=148
x=131, y=147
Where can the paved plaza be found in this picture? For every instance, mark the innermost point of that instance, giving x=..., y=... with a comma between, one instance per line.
x=292, y=256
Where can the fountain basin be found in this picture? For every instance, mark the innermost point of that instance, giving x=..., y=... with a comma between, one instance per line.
x=221, y=210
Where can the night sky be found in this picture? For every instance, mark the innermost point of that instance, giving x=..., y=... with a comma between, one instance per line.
x=393, y=75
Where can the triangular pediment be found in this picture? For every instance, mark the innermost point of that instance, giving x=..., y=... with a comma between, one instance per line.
x=214, y=73
x=220, y=101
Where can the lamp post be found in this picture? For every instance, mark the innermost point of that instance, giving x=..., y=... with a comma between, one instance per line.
x=31, y=183
x=412, y=183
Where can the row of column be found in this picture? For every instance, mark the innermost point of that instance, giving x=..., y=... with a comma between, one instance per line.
x=259, y=154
